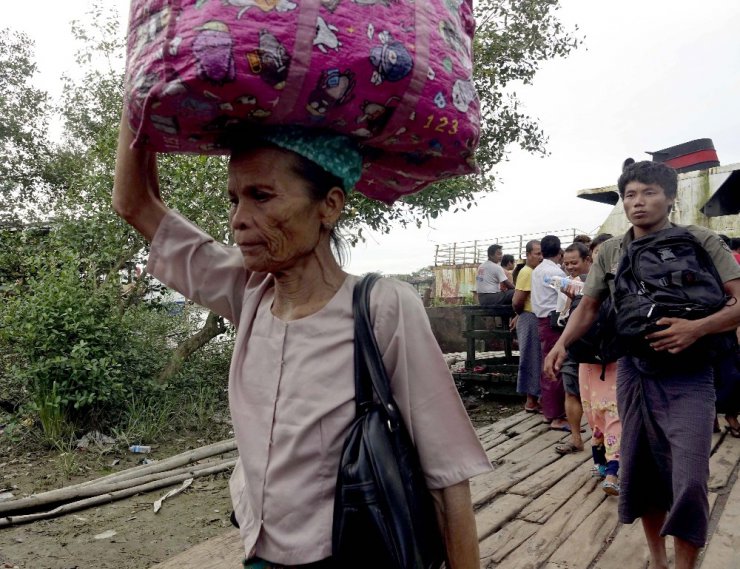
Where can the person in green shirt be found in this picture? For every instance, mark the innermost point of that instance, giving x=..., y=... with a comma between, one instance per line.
x=667, y=412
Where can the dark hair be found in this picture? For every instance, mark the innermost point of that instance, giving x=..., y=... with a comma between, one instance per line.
x=530, y=245
x=582, y=249
x=550, y=245
x=492, y=249
x=735, y=243
x=318, y=182
x=599, y=239
x=506, y=259
x=648, y=172
x=585, y=239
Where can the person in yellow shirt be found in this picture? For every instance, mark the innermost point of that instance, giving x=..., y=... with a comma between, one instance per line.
x=530, y=354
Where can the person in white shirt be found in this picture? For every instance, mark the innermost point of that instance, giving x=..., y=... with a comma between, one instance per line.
x=492, y=283
x=545, y=300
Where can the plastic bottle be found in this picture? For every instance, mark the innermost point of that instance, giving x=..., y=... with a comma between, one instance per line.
x=140, y=449
x=561, y=283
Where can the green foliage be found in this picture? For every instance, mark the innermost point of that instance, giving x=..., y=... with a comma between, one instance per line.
x=23, y=123
x=78, y=356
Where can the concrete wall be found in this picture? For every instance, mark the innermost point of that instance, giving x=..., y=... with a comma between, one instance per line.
x=447, y=325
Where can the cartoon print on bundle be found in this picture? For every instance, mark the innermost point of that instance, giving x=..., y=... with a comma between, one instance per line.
x=454, y=5
x=334, y=88
x=330, y=5
x=270, y=61
x=264, y=5
x=463, y=93
x=451, y=34
x=149, y=30
x=213, y=53
x=385, y=3
x=375, y=116
x=326, y=38
x=142, y=84
x=391, y=60
x=165, y=124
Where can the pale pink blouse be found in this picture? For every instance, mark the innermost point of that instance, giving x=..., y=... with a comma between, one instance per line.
x=291, y=391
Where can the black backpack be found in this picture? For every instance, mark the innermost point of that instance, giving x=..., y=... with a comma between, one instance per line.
x=384, y=516
x=600, y=344
x=666, y=274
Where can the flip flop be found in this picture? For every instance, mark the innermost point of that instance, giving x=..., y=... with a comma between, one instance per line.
x=733, y=431
x=610, y=488
x=567, y=448
x=535, y=409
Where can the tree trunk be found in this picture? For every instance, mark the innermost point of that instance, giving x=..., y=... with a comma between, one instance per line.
x=214, y=326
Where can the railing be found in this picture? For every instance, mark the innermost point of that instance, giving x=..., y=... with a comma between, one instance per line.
x=475, y=252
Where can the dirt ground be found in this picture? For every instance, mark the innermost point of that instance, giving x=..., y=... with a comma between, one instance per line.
x=142, y=538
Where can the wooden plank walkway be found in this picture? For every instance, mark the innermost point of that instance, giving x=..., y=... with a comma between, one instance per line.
x=540, y=510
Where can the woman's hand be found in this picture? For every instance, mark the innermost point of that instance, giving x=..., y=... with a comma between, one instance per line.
x=136, y=186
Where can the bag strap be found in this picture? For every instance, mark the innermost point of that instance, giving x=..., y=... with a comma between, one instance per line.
x=370, y=373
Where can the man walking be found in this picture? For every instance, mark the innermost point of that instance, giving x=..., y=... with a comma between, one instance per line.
x=577, y=263
x=667, y=410
x=545, y=301
x=527, y=332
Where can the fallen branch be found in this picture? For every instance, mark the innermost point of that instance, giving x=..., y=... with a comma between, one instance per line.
x=112, y=496
x=181, y=459
x=107, y=483
x=79, y=492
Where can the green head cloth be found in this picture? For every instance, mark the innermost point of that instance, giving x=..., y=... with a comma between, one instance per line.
x=335, y=153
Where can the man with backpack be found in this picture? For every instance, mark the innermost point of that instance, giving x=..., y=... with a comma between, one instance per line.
x=675, y=291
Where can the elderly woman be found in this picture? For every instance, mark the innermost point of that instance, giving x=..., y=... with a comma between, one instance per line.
x=291, y=384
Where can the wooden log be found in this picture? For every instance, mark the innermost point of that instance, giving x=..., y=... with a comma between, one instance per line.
x=494, y=440
x=527, y=442
x=550, y=501
x=723, y=462
x=724, y=543
x=535, y=456
x=181, y=459
x=224, y=551
x=585, y=543
x=110, y=497
x=504, y=508
x=533, y=552
x=506, y=424
x=498, y=545
x=73, y=493
x=547, y=477
x=628, y=550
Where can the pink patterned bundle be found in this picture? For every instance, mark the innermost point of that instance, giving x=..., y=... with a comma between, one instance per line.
x=396, y=75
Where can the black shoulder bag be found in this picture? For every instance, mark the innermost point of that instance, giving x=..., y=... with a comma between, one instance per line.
x=384, y=516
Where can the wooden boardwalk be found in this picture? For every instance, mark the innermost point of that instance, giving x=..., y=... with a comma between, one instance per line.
x=541, y=510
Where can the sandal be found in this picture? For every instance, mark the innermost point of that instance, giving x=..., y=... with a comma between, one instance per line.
x=733, y=431
x=535, y=409
x=567, y=448
x=610, y=488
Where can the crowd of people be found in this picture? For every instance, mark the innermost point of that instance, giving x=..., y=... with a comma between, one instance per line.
x=651, y=418
x=580, y=388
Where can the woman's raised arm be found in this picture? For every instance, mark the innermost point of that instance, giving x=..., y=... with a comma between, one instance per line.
x=136, y=186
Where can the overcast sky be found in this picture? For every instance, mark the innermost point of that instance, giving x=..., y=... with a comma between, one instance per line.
x=650, y=74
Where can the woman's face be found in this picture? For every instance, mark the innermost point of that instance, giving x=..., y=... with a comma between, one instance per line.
x=275, y=222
